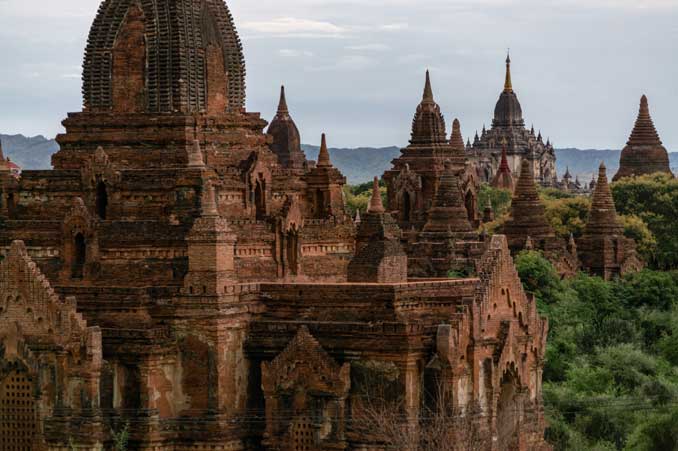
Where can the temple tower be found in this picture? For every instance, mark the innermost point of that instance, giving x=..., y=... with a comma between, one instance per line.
x=508, y=130
x=416, y=175
x=379, y=258
x=644, y=152
x=170, y=72
x=286, y=139
x=528, y=217
x=603, y=248
x=324, y=186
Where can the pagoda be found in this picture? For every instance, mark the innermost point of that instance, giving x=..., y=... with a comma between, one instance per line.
x=508, y=126
x=286, y=139
x=413, y=180
x=644, y=152
x=528, y=228
x=603, y=248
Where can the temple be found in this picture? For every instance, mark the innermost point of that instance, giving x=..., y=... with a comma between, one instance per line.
x=603, y=248
x=528, y=229
x=508, y=129
x=644, y=152
x=186, y=274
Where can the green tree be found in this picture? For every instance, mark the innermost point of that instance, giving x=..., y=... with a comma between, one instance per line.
x=654, y=199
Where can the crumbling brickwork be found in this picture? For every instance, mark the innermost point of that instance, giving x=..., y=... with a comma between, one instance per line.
x=218, y=295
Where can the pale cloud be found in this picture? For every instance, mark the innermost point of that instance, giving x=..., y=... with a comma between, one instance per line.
x=369, y=47
x=292, y=26
x=293, y=53
x=346, y=63
x=394, y=26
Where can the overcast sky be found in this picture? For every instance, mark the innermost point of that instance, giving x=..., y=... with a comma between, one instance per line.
x=355, y=68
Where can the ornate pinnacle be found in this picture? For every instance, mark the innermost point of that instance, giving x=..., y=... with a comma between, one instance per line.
x=428, y=91
x=324, y=155
x=508, y=86
x=376, y=205
x=456, y=140
x=282, y=105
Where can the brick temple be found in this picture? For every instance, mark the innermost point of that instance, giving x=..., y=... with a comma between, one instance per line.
x=644, y=152
x=508, y=131
x=188, y=274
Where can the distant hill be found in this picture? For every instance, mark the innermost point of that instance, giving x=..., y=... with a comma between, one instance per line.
x=584, y=163
x=359, y=165
x=29, y=153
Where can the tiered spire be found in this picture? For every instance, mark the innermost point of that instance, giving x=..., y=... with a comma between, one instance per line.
x=448, y=213
x=282, y=104
x=603, y=218
x=286, y=138
x=508, y=112
x=456, y=140
x=504, y=177
x=528, y=215
x=376, y=204
x=428, y=126
x=324, y=155
x=508, y=85
x=428, y=90
x=644, y=132
x=644, y=152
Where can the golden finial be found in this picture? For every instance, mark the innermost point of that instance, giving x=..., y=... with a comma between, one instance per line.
x=508, y=86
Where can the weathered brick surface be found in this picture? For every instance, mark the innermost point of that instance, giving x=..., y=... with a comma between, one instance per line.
x=211, y=262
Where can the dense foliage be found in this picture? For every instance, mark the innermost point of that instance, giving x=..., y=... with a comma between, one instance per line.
x=611, y=376
x=654, y=200
x=358, y=196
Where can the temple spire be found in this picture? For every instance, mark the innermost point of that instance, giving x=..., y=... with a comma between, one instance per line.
x=376, y=204
x=282, y=105
x=644, y=132
x=508, y=85
x=644, y=152
x=504, y=177
x=428, y=90
x=324, y=155
x=456, y=140
x=603, y=217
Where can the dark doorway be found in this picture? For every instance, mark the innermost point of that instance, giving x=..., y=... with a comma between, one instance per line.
x=260, y=200
x=293, y=253
x=102, y=200
x=470, y=202
x=407, y=207
x=319, y=204
x=79, y=256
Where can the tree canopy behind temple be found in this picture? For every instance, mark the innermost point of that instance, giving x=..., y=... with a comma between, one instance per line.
x=654, y=199
x=611, y=375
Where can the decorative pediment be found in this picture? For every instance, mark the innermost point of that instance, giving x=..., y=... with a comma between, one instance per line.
x=407, y=181
x=304, y=364
x=99, y=168
x=257, y=169
x=292, y=216
x=79, y=219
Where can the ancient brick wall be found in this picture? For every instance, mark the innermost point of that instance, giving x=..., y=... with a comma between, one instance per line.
x=47, y=347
